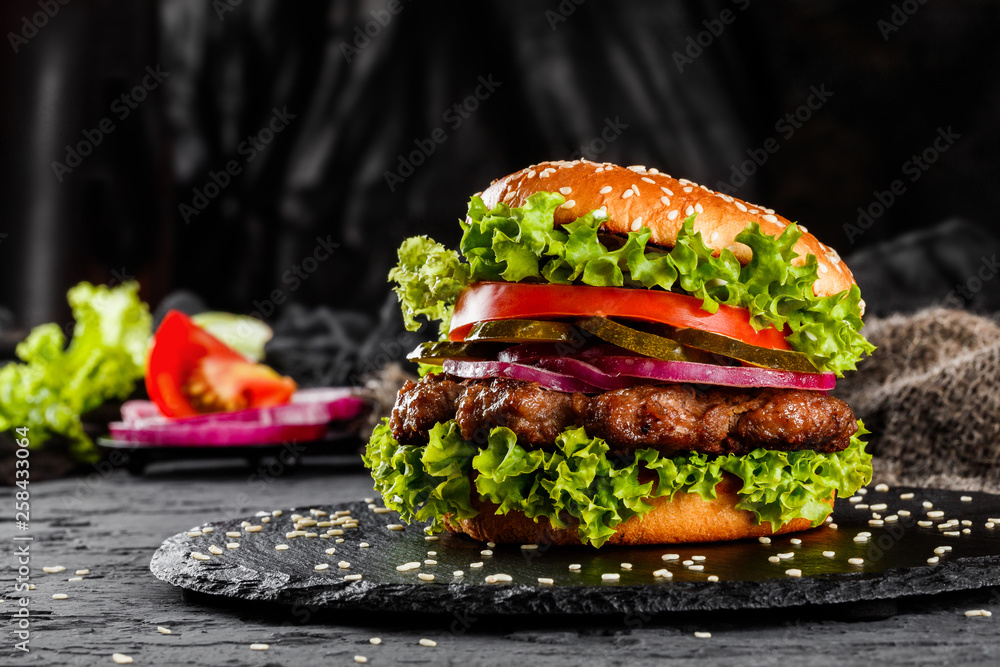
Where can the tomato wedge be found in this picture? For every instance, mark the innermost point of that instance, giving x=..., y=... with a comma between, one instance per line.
x=488, y=301
x=190, y=372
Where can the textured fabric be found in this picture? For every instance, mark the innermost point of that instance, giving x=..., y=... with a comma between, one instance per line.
x=930, y=394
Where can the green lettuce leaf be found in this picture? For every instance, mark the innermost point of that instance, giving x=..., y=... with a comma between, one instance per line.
x=577, y=481
x=515, y=244
x=55, y=384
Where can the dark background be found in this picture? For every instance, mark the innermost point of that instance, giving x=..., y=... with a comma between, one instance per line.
x=650, y=75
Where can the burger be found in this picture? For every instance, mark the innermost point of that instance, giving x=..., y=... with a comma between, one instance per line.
x=624, y=358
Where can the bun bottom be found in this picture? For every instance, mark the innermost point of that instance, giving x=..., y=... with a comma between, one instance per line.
x=683, y=518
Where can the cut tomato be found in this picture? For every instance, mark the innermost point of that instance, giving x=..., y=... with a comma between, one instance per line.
x=490, y=301
x=191, y=372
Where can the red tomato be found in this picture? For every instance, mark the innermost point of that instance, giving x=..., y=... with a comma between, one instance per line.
x=183, y=351
x=486, y=301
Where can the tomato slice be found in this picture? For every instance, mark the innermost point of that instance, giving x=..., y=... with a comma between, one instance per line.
x=190, y=372
x=488, y=301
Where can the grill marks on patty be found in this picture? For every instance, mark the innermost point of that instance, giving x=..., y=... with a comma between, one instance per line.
x=672, y=418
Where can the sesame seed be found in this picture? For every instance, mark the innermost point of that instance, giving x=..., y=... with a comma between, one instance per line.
x=856, y=561
x=790, y=554
x=544, y=174
x=764, y=540
x=605, y=190
x=338, y=531
x=406, y=567
x=892, y=518
x=234, y=533
x=688, y=189
x=697, y=558
x=875, y=522
x=882, y=488
x=740, y=206
x=672, y=215
x=832, y=525
x=936, y=514
x=635, y=189
x=424, y=576
x=432, y=553
x=375, y=640
x=391, y=526
x=906, y=496
x=546, y=581
x=255, y=529
x=966, y=522
x=610, y=576
x=360, y=659
x=121, y=659
x=430, y=561
x=769, y=218
x=703, y=635
x=687, y=563
x=199, y=556
x=311, y=535
x=82, y=572
x=60, y=596
x=53, y=569
x=163, y=631
x=322, y=566
x=628, y=193
x=458, y=573
x=670, y=557
x=860, y=506
x=575, y=567
x=431, y=538
x=942, y=550
x=879, y=507
x=381, y=510
x=529, y=546
x=75, y=579
x=428, y=642
x=904, y=512
x=531, y=173
x=933, y=560
x=570, y=203
x=927, y=504
x=699, y=208
x=364, y=545
x=486, y=552
x=331, y=551
x=648, y=180
x=855, y=499
x=773, y=559
x=792, y=572
x=215, y=550
x=194, y=533
x=664, y=573
x=265, y=519
x=829, y=554
x=665, y=200
x=713, y=578
x=697, y=568
x=476, y=565
x=565, y=190
x=259, y=647
x=990, y=524
x=795, y=541
x=689, y=210
x=966, y=499
x=637, y=224
x=344, y=565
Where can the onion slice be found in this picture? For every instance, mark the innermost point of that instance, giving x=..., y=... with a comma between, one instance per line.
x=477, y=370
x=728, y=376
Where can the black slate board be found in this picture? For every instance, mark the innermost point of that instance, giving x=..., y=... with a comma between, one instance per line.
x=895, y=565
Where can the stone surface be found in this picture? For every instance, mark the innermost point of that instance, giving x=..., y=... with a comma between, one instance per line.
x=895, y=565
x=111, y=523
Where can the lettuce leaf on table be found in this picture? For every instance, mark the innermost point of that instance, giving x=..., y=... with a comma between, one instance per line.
x=515, y=244
x=55, y=384
x=577, y=480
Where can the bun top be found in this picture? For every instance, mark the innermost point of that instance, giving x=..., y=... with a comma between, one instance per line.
x=636, y=197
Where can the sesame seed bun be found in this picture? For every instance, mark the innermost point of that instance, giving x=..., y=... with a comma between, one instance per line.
x=636, y=197
x=683, y=518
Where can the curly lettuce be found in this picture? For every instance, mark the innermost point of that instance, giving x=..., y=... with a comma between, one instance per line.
x=516, y=244
x=55, y=384
x=578, y=483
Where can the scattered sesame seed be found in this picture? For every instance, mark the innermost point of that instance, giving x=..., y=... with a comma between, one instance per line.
x=703, y=635
x=75, y=579
x=993, y=520
x=424, y=576
x=792, y=572
x=330, y=551
x=476, y=565
x=575, y=567
x=565, y=190
x=860, y=506
x=699, y=208
x=925, y=524
x=406, y=567
x=163, y=631
x=927, y=504
x=856, y=561
x=764, y=540
x=381, y=510
x=832, y=525
x=906, y=496
x=796, y=541
x=933, y=560
x=364, y=545
x=428, y=642
x=391, y=526
x=790, y=554
x=569, y=203
x=605, y=190
x=628, y=193
x=690, y=209
x=338, y=531
x=672, y=215
x=646, y=179
x=687, y=563
x=966, y=499
x=769, y=218
x=194, y=533
x=713, y=578
x=952, y=533
x=60, y=596
x=936, y=514
x=199, y=556
x=277, y=513
x=688, y=189
x=529, y=546
x=966, y=531
x=829, y=554
x=82, y=572
x=773, y=559
x=990, y=524
x=458, y=573
x=322, y=566
x=892, y=518
x=265, y=519
x=875, y=522
x=878, y=507
x=375, y=640
x=966, y=522
x=670, y=557
x=855, y=499
x=215, y=550
x=360, y=659
x=430, y=561
x=344, y=565
x=978, y=612
x=121, y=659
x=697, y=568
x=610, y=576
x=486, y=552
x=234, y=533
x=903, y=512
x=259, y=647
x=664, y=573
x=637, y=224
x=882, y=487
x=53, y=569
x=307, y=535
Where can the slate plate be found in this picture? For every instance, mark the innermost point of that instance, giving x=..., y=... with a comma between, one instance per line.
x=895, y=564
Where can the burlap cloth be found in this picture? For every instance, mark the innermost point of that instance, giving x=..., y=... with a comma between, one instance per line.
x=930, y=394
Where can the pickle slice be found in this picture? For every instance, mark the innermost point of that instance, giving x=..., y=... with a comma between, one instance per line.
x=519, y=331
x=646, y=344
x=751, y=354
x=435, y=353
